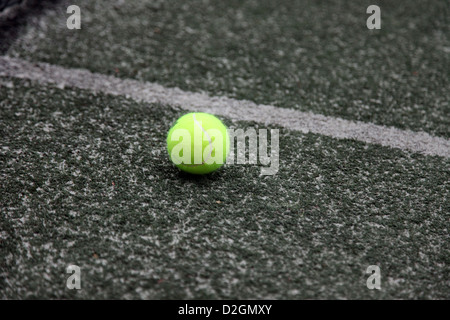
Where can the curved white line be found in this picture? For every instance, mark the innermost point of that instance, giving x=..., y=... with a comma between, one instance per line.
x=210, y=145
x=237, y=110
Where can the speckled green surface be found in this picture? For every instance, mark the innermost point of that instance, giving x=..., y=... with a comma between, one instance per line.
x=310, y=55
x=85, y=180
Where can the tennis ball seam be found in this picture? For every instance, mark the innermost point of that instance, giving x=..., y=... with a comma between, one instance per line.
x=210, y=145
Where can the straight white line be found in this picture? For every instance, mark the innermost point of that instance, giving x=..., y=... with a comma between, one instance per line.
x=238, y=110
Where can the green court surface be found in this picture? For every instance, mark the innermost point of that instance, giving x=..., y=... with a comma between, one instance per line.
x=85, y=178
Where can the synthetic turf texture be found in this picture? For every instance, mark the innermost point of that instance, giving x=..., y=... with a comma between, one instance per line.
x=85, y=178
x=309, y=55
x=86, y=181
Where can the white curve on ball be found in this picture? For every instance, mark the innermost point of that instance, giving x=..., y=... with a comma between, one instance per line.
x=210, y=145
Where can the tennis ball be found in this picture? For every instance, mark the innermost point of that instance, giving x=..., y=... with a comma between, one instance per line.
x=198, y=143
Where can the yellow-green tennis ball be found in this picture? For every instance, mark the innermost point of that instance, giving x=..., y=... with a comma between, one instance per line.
x=198, y=143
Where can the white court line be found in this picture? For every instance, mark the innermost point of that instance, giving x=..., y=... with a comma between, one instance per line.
x=237, y=110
